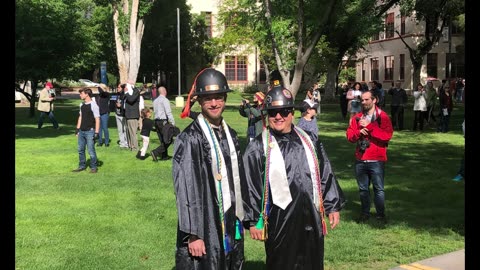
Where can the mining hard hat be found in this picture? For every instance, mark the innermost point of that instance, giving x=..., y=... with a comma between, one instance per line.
x=210, y=81
x=278, y=97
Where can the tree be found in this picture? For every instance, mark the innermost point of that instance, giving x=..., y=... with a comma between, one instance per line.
x=159, y=45
x=128, y=22
x=302, y=38
x=436, y=14
x=52, y=42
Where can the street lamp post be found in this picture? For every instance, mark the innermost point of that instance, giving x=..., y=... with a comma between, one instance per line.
x=179, y=102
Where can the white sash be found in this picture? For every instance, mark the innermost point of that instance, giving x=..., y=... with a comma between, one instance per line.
x=225, y=192
x=277, y=176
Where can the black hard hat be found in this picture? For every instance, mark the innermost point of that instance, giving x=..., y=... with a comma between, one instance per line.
x=211, y=81
x=278, y=97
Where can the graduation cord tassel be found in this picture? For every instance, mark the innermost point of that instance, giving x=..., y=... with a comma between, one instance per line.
x=262, y=223
x=312, y=151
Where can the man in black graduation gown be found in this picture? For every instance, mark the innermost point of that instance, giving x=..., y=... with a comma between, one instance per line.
x=207, y=172
x=293, y=190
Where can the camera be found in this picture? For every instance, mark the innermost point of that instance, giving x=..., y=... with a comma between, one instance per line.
x=52, y=93
x=363, y=144
x=244, y=102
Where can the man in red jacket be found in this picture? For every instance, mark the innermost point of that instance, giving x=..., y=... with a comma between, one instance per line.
x=371, y=129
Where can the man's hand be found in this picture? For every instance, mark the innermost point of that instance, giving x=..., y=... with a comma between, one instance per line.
x=364, y=131
x=256, y=234
x=196, y=246
x=334, y=219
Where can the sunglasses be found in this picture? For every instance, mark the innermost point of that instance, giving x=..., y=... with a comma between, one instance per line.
x=282, y=112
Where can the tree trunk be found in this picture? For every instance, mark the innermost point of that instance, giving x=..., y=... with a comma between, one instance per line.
x=128, y=53
x=331, y=82
x=34, y=98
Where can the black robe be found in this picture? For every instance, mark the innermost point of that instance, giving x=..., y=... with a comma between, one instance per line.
x=197, y=202
x=295, y=238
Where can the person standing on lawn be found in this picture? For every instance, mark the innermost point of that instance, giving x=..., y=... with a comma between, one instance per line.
x=163, y=117
x=254, y=115
x=120, y=117
x=371, y=129
x=103, y=104
x=88, y=126
x=207, y=173
x=46, y=97
x=292, y=188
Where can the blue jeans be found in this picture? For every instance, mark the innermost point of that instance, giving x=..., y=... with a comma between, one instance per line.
x=85, y=138
x=366, y=173
x=50, y=115
x=104, y=129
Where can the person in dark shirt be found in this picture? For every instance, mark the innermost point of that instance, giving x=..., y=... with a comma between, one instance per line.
x=399, y=100
x=103, y=104
x=88, y=125
x=147, y=126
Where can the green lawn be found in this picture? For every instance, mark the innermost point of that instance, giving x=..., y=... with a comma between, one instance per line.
x=124, y=217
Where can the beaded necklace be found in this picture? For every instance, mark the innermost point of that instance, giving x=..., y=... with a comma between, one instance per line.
x=218, y=177
x=313, y=152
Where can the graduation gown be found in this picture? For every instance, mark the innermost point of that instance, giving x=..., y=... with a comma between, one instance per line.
x=295, y=238
x=197, y=202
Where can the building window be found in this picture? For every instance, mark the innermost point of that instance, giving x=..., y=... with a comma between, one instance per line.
x=389, y=68
x=376, y=37
x=374, y=69
x=236, y=68
x=207, y=15
x=363, y=71
x=262, y=75
x=432, y=65
x=454, y=66
x=390, y=25
x=402, y=67
x=402, y=25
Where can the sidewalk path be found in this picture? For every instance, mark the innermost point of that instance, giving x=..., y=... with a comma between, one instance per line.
x=450, y=261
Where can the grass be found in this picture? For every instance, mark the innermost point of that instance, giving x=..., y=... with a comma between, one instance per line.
x=124, y=217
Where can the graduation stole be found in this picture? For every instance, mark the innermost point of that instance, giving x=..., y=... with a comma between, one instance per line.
x=220, y=174
x=272, y=155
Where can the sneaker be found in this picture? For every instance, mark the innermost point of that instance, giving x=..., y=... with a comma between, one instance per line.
x=153, y=156
x=458, y=178
x=381, y=218
x=99, y=144
x=363, y=218
x=78, y=169
x=93, y=171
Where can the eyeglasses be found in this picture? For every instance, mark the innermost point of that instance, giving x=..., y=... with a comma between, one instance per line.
x=282, y=112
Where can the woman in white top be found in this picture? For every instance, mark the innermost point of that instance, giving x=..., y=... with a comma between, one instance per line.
x=353, y=96
x=420, y=106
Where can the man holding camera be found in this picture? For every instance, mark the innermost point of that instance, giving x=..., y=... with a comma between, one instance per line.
x=371, y=129
x=46, y=97
x=255, y=115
